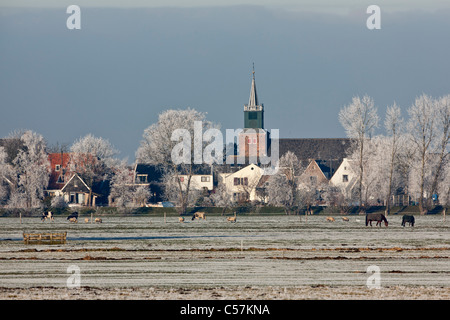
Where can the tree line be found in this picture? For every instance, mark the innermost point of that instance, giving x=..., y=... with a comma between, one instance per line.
x=412, y=157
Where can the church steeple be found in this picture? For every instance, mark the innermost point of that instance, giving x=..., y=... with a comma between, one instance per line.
x=253, y=101
x=253, y=111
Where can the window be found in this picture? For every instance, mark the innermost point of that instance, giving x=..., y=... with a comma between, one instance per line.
x=60, y=179
x=142, y=178
x=57, y=167
x=254, y=140
x=313, y=179
x=205, y=179
x=241, y=181
x=249, y=140
x=344, y=178
x=181, y=179
x=252, y=115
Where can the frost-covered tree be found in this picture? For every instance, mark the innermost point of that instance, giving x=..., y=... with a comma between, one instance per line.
x=394, y=128
x=121, y=186
x=359, y=120
x=422, y=134
x=5, y=169
x=221, y=198
x=28, y=173
x=442, y=145
x=280, y=192
x=92, y=158
x=58, y=202
x=283, y=187
x=183, y=195
x=141, y=195
x=161, y=146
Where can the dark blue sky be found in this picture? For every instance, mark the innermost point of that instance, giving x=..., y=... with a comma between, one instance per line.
x=114, y=76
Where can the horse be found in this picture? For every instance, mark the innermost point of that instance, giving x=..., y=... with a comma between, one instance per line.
x=409, y=219
x=180, y=219
x=73, y=217
x=199, y=215
x=48, y=215
x=98, y=220
x=378, y=217
x=345, y=219
x=330, y=219
x=232, y=219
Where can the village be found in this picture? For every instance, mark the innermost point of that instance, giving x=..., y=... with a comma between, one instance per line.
x=310, y=172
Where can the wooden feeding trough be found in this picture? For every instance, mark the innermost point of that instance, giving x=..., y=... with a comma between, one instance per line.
x=45, y=238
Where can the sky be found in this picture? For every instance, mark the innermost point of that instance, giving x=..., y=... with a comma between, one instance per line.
x=133, y=59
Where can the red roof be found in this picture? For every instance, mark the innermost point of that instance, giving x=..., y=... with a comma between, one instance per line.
x=59, y=167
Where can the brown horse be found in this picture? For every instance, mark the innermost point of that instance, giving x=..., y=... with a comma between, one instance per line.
x=378, y=217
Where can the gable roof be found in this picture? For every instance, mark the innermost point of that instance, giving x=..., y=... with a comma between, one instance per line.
x=327, y=152
x=316, y=148
x=61, y=159
x=75, y=177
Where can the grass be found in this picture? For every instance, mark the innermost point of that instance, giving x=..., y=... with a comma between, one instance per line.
x=212, y=211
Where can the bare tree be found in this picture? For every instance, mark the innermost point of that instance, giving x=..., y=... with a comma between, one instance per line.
x=422, y=133
x=359, y=120
x=29, y=172
x=394, y=129
x=121, y=193
x=283, y=186
x=161, y=146
x=443, y=136
x=221, y=198
x=280, y=192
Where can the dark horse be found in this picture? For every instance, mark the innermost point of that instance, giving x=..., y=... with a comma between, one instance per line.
x=378, y=217
x=409, y=219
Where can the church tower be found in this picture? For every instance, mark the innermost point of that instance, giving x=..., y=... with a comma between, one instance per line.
x=253, y=111
x=253, y=140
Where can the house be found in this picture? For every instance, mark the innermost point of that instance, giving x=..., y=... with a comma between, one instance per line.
x=65, y=182
x=199, y=182
x=345, y=177
x=151, y=176
x=313, y=176
x=59, y=173
x=242, y=185
x=77, y=192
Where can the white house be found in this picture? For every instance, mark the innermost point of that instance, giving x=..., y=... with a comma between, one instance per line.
x=200, y=182
x=345, y=176
x=241, y=185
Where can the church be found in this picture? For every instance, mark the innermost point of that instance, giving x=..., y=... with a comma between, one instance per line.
x=255, y=141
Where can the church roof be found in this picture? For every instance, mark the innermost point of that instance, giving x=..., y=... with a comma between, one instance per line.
x=316, y=148
x=253, y=100
x=327, y=152
x=253, y=103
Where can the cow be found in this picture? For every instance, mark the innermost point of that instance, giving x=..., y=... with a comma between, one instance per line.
x=48, y=215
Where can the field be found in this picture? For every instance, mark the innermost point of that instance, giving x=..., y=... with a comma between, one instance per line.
x=258, y=257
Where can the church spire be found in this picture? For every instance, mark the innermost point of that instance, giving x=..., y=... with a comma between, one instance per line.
x=253, y=100
x=253, y=111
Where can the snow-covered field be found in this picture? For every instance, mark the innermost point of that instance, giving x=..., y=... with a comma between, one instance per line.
x=261, y=257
